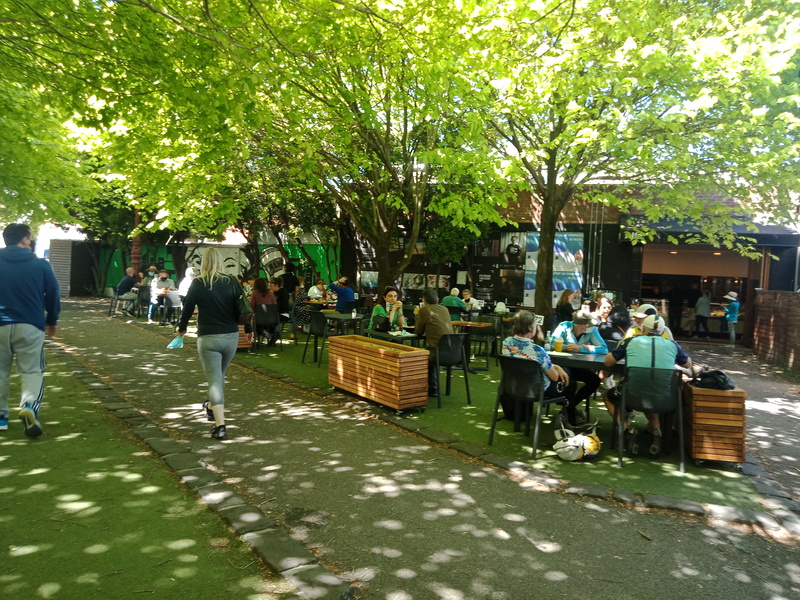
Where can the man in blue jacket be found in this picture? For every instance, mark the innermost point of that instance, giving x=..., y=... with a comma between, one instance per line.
x=28, y=290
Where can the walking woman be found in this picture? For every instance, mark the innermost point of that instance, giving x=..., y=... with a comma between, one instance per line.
x=216, y=296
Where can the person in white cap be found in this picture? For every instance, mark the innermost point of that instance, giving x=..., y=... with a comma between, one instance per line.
x=649, y=349
x=732, y=315
x=644, y=311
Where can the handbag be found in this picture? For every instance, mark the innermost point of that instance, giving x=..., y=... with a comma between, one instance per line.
x=245, y=310
x=573, y=447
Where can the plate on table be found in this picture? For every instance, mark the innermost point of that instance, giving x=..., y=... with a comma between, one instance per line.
x=554, y=353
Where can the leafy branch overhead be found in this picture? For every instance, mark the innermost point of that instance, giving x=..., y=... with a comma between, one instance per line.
x=210, y=111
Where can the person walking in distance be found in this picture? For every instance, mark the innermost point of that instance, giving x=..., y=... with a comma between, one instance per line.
x=28, y=291
x=216, y=295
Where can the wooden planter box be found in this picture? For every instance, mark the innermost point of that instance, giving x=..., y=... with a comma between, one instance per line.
x=243, y=343
x=715, y=423
x=390, y=374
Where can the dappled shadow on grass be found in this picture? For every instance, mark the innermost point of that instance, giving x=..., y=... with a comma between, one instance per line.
x=88, y=513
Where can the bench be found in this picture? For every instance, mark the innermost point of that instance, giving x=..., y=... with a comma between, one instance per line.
x=384, y=372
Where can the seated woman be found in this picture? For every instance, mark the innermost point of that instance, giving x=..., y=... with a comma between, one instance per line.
x=302, y=314
x=261, y=295
x=391, y=308
x=319, y=291
x=521, y=345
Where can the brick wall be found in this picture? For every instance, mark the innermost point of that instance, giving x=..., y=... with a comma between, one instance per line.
x=776, y=332
x=526, y=209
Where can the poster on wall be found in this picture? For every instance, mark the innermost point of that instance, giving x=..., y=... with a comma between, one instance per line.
x=567, y=264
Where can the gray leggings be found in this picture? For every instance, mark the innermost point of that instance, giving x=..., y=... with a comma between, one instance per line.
x=216, y=353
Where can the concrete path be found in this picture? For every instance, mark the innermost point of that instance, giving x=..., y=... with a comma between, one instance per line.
x=399, y=517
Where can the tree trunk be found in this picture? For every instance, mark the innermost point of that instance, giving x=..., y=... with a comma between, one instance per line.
x=543, y=298
x=136, y=246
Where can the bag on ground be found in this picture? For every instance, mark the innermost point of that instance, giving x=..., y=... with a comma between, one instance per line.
x=573, y=447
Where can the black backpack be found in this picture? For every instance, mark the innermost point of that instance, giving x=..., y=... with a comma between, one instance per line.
x=713, y=379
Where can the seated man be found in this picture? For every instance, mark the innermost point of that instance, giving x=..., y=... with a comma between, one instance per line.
x=644, y=311
x=344, y=294
x=158, y=293
x=580, y=336
x=521, y=345
x=647, y=350
x=453, y=301
x=127, y=291
x=432, y=321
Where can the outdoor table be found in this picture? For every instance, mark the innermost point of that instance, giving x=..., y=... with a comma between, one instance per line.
x=341, y=318
x=399, y=337
x=593, y=362
x=320, y=304
x=467, y=326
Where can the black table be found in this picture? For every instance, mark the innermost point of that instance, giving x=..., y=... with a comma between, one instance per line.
x=342, y=318
x=393, y=337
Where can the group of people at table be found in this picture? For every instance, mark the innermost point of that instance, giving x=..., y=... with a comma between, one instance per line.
x=639, y=337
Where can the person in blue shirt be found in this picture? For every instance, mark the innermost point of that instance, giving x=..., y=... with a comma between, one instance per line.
x=580, y=336
x=732, y=315
x=344, y=294
x=556, y=379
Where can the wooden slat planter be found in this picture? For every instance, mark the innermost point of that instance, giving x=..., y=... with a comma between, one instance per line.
x=390, y=374
x=715, y=423
x=243, y=343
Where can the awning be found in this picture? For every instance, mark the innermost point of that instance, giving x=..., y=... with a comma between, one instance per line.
x=766, y=235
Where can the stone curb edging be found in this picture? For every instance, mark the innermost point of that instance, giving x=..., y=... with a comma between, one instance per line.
x=269, y=541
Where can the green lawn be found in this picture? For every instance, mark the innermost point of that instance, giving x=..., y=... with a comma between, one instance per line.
x=87, y=512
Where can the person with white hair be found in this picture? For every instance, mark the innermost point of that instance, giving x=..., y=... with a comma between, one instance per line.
x=453, y=301
x=649, y=349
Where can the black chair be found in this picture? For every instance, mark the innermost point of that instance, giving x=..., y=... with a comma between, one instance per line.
x=267, y=323
x=449, y=353
x=319, y=329
x=486, y=337
x=454, y=310
x=653, y=390
x=522, y=382
x=112, y=307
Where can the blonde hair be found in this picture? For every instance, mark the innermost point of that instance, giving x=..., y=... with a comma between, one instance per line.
x=211, y=267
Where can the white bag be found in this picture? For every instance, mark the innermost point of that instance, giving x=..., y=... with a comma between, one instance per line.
x=573, y=447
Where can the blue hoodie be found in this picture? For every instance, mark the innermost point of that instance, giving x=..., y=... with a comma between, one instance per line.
x=28, y=288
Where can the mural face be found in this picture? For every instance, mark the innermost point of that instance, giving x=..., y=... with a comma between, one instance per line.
x=234, y=260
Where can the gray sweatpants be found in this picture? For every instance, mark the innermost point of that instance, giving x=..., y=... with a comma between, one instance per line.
x=216, y=353
x=26, y=342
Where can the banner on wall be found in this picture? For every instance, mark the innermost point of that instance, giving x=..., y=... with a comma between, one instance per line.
x=567, y=264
